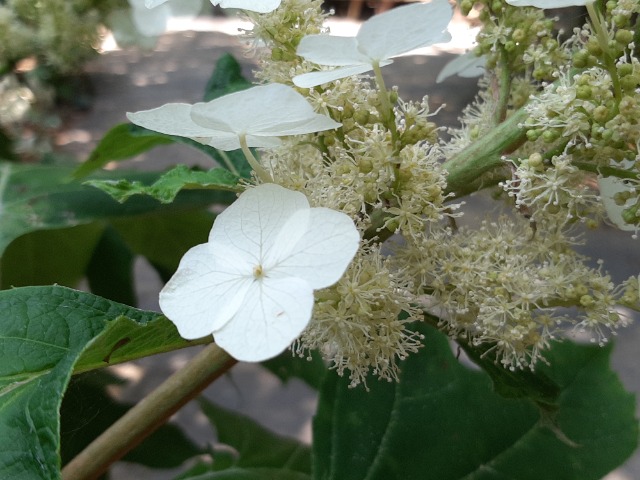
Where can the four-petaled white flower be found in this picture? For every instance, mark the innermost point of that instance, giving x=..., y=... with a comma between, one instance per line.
x=549, y=3
x=251, y=285
x=260, y=6
x=257, y=115
x=380, y=38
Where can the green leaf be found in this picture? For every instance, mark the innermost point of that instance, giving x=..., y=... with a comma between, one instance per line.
x=257, y=447
x=119, y=143
x=110, y=271
x=164, y=239
x=226, y=78
x=286, y=366
x=127, y=140
x=43, y=332
x=46, y=257
x=124, y=340
x=245, y=474
x=443, y=421
x=170, y=183
x=38, y=197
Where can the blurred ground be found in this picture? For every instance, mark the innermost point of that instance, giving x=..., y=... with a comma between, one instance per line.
x=177, y=71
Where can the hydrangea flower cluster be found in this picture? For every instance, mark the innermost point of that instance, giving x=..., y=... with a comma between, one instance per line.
x=355, y=148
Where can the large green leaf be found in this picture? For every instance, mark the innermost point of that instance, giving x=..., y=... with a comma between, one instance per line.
x=46, y=257
x=126, y=140
x=170, y=183
x=110, y=270
x=443, y=421
x=256, y=446
x=38, y=197
x=236, y=473
x=226, y=78
x=120, y=143
x=43, y=332
x=310, y=370
x=164, y=239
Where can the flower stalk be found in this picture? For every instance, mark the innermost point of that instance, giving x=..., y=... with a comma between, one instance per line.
x=484, y=154
x=148, y=415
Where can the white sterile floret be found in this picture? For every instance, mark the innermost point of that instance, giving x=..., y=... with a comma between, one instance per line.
x=260, y=6
x=259, y=115
x=549, y=3
x=380, y=38
x=252, y=284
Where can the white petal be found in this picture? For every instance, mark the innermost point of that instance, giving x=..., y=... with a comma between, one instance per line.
x=609, y=186
x=313, y=79
x=548, y=3
x=315, y=122
x=332, y=51
x=323, y=253
x=274, y=314
x=171, y=119
x=467, y=65
x=403, y=29
x=151, y=23
x=206, y=291
x=266, y=110
x=230, y=141
x=253, y=222
x=260, y=6
x=154, y=3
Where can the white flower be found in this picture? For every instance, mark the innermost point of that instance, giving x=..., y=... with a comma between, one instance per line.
x=380, y=38
x=251, y=285
x=260, y=6
x=258, y=115
x=154, y=23
x=467, y=65
x=549, y=3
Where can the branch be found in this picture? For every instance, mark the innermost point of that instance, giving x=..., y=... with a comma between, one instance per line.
x=153, y=411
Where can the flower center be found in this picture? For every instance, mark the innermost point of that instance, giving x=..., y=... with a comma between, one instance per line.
x=258, y=272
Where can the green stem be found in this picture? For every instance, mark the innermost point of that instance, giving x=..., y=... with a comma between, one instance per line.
x=603, y=40
x=504, y=90
x=386, y=109
x=228, y=163
x=146, y=416
x=259, y=169
x=485, y=154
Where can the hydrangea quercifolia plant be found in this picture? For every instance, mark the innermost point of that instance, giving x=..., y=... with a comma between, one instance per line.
x=345, y=244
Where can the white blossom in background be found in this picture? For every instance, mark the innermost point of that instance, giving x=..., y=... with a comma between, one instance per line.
x=379, y=39
x=259, y=114
x=549, y=3
x=152, y=23
x=259, y=6
x=467, y=65
x=252, y=284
